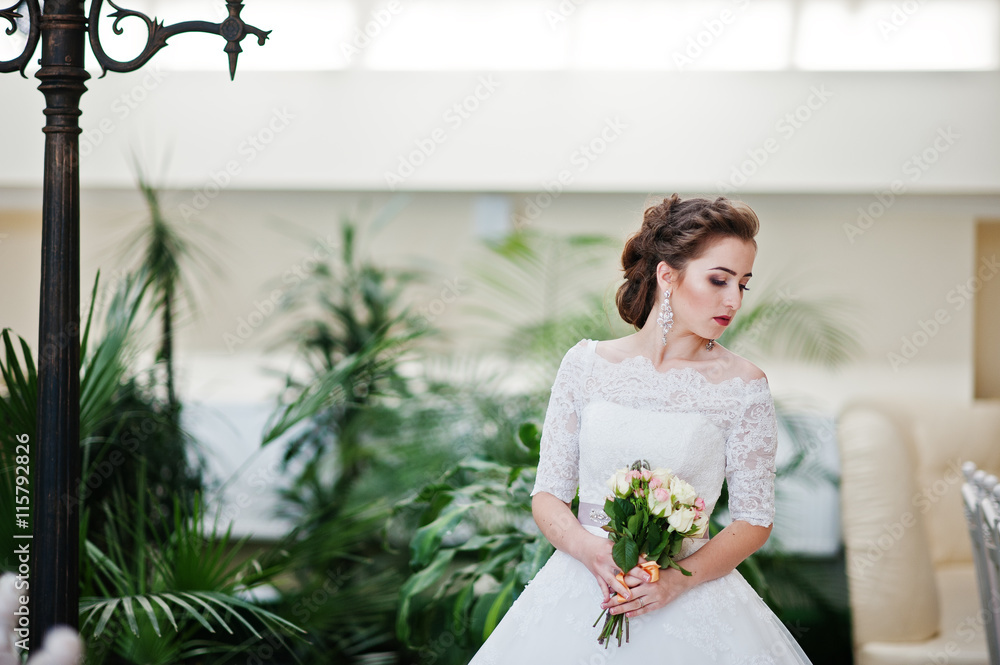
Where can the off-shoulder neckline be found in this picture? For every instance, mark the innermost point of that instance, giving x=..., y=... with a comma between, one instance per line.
x=591, y=347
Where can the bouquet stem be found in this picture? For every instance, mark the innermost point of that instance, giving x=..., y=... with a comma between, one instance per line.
x=612, y=626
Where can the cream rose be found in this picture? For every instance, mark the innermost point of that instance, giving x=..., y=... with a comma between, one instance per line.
x=662, y=474
x=700, y=524
x=682, y=519
x=682, y=491
x=620, y=483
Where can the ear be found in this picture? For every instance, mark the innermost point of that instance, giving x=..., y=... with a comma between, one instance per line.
x=666, y=277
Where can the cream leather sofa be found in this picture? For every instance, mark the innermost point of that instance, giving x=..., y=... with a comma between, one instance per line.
x=911, y=580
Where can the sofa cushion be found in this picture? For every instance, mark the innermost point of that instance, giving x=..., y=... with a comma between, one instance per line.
x=962, y=640
x=890, y=575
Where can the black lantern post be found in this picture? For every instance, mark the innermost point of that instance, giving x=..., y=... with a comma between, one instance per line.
x=62, y=27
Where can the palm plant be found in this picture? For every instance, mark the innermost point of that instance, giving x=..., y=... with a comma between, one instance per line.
x=104, y=368
x=175, y=581
x=347, y=417
x=350, y=332
x=539, y=306
x=165, y=257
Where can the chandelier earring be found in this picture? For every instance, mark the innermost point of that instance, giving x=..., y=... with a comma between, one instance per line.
x=666, y=318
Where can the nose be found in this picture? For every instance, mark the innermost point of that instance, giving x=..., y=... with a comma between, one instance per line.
x=733, y=299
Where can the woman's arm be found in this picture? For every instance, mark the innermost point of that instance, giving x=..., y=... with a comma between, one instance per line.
x=717, y=558
x=564, y=531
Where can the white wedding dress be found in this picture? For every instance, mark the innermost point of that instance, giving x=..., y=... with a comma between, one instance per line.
x=602, y=416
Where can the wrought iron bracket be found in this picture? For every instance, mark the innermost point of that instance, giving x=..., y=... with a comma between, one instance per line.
x=233, y=30
x=20, y=63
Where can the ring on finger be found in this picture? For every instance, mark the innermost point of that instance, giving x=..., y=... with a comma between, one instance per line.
x=641, y=602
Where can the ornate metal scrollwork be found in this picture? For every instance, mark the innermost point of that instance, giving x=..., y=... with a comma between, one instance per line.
x=233, y=30
x=20, y=63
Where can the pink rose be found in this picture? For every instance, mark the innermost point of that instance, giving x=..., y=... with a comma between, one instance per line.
x=699, y=503
x=659, y=502
x=646, y=474
x=633, y=474
x=654, y=483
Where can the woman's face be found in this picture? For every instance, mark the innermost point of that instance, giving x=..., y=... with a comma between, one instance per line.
x=710, y=291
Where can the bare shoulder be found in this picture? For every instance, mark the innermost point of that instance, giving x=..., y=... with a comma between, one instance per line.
x=738, y=366
x=618, y=349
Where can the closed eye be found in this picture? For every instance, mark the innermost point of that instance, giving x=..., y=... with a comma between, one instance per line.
x=722, y=282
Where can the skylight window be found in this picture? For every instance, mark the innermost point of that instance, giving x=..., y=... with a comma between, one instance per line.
x=555, y=35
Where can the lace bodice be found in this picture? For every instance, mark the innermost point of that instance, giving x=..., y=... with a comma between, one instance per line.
x=604, y=415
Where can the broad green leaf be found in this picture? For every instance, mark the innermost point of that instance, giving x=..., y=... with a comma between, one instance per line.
x=626, y=554
x=530, y=436
x=416, y=584
x=611, y=509
x=652, y=539
x=634, y=522
x=625, y=508
x=427, y=539
x=500, y=605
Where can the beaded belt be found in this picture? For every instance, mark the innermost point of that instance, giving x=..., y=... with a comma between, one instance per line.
x=592, y=514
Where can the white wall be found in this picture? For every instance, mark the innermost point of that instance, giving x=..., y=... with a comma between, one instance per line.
x=346, y=130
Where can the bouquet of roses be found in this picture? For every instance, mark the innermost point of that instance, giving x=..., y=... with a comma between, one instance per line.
x=651, y=513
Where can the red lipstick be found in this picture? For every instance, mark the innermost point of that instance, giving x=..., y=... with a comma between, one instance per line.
x=723, y=320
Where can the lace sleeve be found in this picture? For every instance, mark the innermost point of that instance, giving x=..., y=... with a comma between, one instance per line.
x=559, y=463
x=750, y=459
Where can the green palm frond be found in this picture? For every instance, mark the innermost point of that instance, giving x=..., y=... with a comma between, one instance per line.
x=820, y=331
x=105, y=364
x=171, y=258
x=174, y=582
x=203, y=607
x=20, y=391
x=534, y=278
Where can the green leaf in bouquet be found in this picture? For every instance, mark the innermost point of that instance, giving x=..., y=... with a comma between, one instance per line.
x=625, y=508
x=653, y=537
x=625, y=553
x=675, y=547
x=611, y=509
x=634, y=522
x=673, y=564
x=659, y=550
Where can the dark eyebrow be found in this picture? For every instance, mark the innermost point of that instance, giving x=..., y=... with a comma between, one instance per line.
x=731, y=272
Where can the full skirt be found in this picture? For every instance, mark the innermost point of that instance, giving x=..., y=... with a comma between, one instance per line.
x=720, y=621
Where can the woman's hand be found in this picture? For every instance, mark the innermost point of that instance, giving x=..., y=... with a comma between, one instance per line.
x=646, y=595
x=597, y=558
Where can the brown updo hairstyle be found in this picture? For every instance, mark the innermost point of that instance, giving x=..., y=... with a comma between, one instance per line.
x=676, y=231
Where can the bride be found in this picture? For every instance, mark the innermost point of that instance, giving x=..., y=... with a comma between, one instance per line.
x=671, y=395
